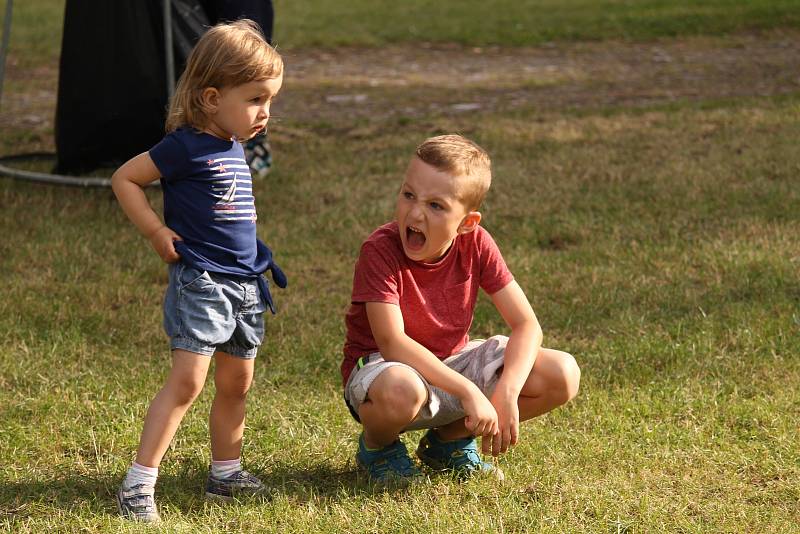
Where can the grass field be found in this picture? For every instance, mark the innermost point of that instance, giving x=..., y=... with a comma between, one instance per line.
x=658, y=243
x=516, y=23
x=37, y=23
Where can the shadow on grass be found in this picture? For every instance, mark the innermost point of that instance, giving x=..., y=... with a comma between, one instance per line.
x=183, y=491
x=19, y=500
x=321, y=482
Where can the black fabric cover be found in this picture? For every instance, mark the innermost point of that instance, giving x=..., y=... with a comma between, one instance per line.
x=112, y=92
x=260, y=11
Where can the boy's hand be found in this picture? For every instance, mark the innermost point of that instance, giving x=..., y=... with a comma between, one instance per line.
x=481, y=417
x=508, y=423
x=163, y=242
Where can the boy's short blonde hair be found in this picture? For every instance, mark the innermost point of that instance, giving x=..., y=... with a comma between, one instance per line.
x=464, y=159
x=226, y=55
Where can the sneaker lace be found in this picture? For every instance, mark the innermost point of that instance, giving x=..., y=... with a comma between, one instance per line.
x=242, y=479
x=246, y=476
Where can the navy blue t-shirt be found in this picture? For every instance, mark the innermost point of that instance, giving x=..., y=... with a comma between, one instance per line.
x=208, y=201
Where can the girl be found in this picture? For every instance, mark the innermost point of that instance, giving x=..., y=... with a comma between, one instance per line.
x=216, y=295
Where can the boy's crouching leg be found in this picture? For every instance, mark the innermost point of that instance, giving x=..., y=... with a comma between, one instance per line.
x=393, y=401
x=554, y=381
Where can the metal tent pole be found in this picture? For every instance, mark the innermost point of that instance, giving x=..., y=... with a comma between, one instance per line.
x=59, y=179
x=169, y=54
x=46, y=178
x=4, y=47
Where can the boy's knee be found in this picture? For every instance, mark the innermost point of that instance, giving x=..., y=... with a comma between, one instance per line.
x=399, y=397
x=570, y=378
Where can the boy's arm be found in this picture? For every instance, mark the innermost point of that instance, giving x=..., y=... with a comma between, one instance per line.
x=127, y=183
x=520, y=354
x=386, y=322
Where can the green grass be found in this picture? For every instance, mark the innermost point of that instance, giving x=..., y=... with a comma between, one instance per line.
x=519, y=23
x=660, y=245
x=37, y=24
x=36, y=27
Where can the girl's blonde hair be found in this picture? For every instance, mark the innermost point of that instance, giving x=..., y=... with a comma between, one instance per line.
x=226, y=55
x=463, y=159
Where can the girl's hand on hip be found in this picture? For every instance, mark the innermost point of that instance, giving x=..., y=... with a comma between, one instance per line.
x=163, y=241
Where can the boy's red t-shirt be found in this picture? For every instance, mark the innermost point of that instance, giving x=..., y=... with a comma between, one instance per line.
x=437, y=300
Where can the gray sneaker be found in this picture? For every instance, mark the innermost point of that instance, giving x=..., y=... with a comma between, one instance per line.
x=138, y=503
x=239, y=484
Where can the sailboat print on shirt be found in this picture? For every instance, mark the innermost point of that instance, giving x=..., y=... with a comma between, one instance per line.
x=233, y=188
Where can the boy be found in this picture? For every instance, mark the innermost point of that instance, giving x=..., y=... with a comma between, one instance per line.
x=408, y=360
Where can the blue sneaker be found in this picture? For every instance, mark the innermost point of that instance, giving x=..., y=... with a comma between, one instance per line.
x=459, y=456
x=239, y=484
x=390, y=464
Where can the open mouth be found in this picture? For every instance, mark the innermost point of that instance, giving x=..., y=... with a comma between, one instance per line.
x=415, y=239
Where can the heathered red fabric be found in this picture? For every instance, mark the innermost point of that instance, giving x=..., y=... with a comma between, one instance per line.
x=437, y=300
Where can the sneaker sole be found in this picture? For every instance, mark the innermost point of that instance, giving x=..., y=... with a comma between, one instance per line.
x=236, y=495
x=218, y=498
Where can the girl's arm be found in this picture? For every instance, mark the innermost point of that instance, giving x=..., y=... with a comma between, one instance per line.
x=128, y=182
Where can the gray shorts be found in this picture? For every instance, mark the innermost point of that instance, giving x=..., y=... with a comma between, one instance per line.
x=481, y=361
x=205, y=312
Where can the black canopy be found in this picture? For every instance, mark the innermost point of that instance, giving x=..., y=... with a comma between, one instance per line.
x=112, y=87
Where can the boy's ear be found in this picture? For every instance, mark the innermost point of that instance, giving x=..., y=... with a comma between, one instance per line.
x=209, y=98
x=470, y=222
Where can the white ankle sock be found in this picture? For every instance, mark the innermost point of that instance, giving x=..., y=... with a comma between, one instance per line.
x=225, y=468
x=141, y=474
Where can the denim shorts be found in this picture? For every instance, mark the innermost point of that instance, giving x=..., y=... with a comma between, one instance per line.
x=480, y=361
x=206, y=312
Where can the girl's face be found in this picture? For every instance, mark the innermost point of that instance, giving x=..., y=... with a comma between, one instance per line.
x=240, y=111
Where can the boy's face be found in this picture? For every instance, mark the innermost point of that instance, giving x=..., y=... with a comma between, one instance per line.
x=429, y=214
x=241, y=111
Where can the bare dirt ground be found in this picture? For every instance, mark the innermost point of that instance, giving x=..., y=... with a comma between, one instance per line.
x=342, y=87
x=337, y=85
